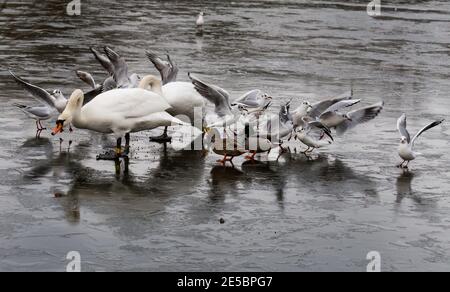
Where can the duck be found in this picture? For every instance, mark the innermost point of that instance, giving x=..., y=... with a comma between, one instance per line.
x=256, y=144
x=224, y=145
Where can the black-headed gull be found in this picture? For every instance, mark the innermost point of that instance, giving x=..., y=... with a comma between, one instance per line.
x=37, y=113
x=405, y=149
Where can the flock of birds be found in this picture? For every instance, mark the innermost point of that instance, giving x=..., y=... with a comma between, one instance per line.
x=125, y=103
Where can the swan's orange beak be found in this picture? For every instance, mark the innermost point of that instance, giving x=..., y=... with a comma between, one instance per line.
x=59, y=127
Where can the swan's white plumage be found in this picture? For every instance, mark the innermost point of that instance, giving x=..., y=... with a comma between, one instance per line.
x=127, y=103
x=182, y=98
x=119, y=111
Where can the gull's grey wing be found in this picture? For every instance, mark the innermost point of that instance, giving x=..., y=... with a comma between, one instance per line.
x=218, y=96
x=322, y=127
x=172, y=75
x=37, y=92
x=90, y=95
x=120, y=68
x=38, y=111
x=401, y=126
x=320, y=107
x=109, y=84
x=342, y=104
x=86, y=78
x=285, y=114
x=424, y=129
x=104, y=61
x=250, y=99
x=360, y=116
x=167, y=70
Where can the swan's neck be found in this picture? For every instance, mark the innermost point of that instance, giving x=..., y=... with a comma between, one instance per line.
x=152, y=82
x=156, y=88
x=79, y=120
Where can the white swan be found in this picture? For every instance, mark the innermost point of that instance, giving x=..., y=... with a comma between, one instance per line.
x=183, y=99
x=118, y=111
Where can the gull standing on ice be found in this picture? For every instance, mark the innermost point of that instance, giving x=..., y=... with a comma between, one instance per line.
x=200, y=20
x=37, y=113
x=405, y=149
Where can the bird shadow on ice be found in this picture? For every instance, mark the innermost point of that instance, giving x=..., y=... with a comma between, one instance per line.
x=251, y=177
x=328, y=175
x=404, y=190
x=403, y=185
x=177, y=172
x=224, y=180
x=265, y=176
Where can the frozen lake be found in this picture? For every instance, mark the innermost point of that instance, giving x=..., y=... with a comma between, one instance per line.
x=297, y=214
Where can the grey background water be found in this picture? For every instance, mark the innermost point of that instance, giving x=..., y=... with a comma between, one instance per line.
x=323, y=214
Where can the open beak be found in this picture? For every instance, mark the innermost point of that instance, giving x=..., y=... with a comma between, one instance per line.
x=59, y=128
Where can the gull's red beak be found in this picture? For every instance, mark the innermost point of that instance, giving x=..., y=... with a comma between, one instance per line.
x=59, y=127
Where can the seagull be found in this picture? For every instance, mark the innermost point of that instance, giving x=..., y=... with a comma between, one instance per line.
x=56, y=99
x=121, y=76
x=87, y=78
x=280, y=126
x=344, y=122
x=221, y=99
x=183, y=98
x=200, y=20
x=37, y=113
x=109, y=83
x=253, y=99
x=117, y=69
x=405, y=149
x=316, y=109
x=167, y=69
x=303, y=134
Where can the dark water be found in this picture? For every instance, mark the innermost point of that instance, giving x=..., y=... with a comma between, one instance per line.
x=323, y=214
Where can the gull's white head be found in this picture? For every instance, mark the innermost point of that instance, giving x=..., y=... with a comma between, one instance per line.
x=211, y=136
x=346, y=117
x=403, y=141
x=57, y=94
x=267, y=96
x=306, y=106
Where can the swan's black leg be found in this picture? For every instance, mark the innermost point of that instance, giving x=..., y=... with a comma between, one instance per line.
x=127, y=144
x=119, y=147
x=164, y=138
x=112, y=154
